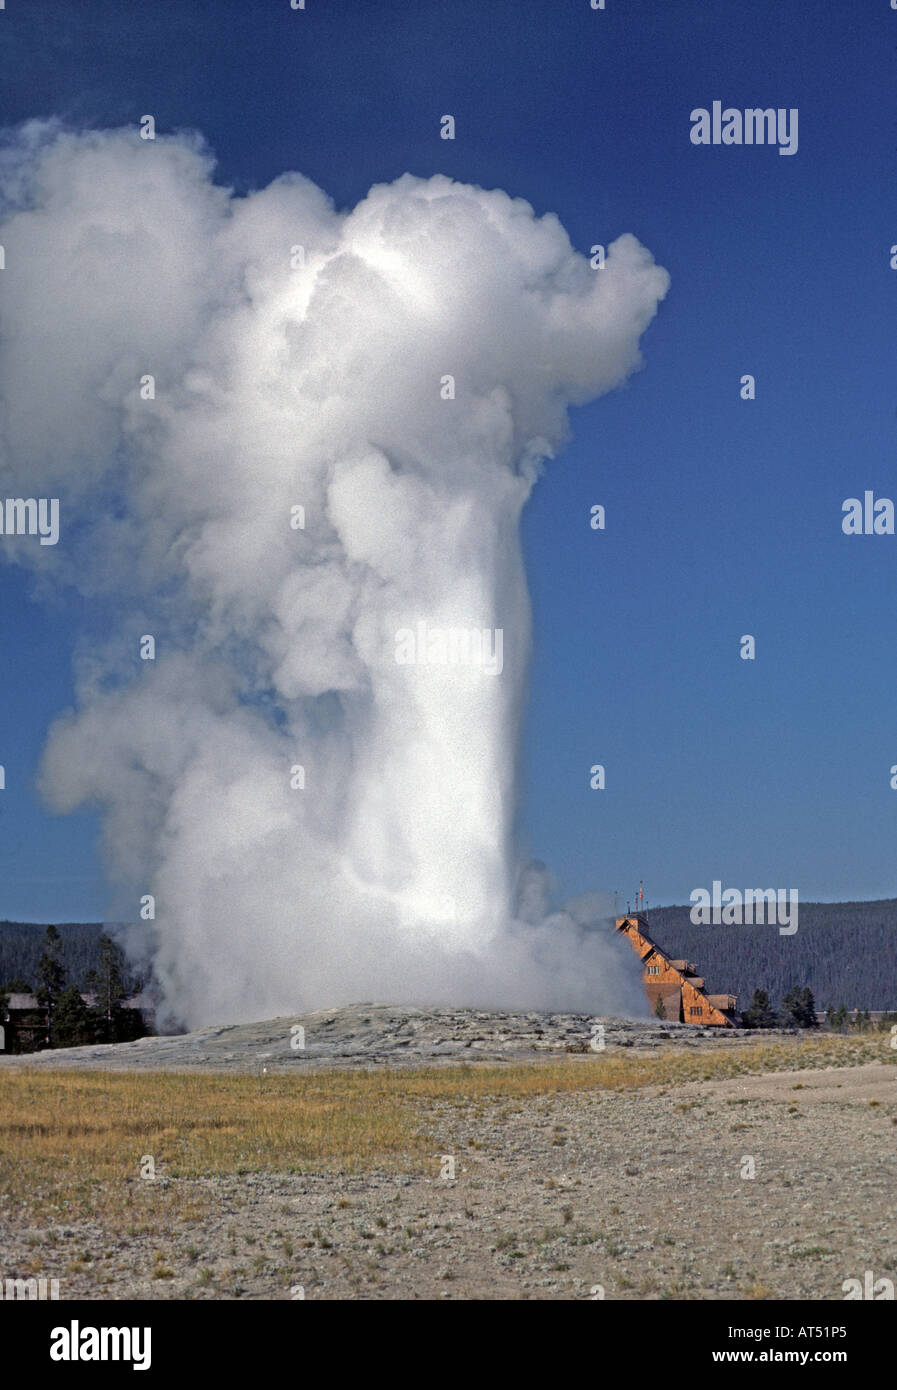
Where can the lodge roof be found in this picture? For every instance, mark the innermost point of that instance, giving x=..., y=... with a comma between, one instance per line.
x=26, y=1003
x=22, y=1002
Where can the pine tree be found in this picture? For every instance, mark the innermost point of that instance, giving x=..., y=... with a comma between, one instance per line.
x=808, y=1008
x=71, y=1021
x=799, y=1008
x=50, y=977
x=759, y=1013
x=110, y=982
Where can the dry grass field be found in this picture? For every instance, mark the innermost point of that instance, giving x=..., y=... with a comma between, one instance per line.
x=63, y=1132
x=260, y=1183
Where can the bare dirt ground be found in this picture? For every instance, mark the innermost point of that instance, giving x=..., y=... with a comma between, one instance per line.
x=770, y=1186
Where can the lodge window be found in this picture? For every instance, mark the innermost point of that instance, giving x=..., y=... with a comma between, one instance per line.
x=653, y=970
x=696, y=1009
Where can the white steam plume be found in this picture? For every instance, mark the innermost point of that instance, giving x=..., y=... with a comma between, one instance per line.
x=281, y=384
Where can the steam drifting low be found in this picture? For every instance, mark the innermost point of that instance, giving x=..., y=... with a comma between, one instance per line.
x=348, y=412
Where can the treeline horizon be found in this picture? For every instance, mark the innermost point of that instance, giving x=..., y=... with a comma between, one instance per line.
x=61, y=1013
x=844, y=953
x=22, y=943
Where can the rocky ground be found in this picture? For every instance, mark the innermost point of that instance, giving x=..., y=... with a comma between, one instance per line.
x=770, y=1186
x=383, y=1035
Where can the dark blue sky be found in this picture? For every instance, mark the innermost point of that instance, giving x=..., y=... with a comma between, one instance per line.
x=724, y=516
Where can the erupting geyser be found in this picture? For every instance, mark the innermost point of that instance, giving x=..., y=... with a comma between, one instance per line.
x=314, y=511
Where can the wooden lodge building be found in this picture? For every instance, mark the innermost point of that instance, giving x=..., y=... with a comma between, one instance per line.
x=674, y=988
x=23, y=1024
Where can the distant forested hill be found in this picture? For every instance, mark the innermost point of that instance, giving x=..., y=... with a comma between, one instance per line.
x=845, y=952
x=21, y=944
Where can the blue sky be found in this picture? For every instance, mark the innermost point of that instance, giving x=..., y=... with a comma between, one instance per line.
x=723, y=516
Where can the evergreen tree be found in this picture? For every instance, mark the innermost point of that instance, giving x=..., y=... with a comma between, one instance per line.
x=759, y=1013
x=808, y=1008
x=71, y=1021
x=659, y=1008
x=799, y=1009
x=109, y=983
x=50, y=978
